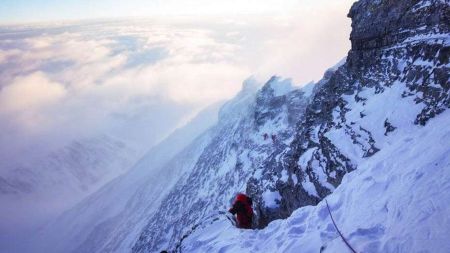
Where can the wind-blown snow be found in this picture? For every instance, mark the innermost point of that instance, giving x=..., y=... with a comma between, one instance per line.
x=281, y=87
x=395, y=202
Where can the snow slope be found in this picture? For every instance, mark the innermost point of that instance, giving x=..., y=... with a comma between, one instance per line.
x=397, y=201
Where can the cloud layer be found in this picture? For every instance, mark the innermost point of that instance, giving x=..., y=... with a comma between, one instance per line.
x=139, y=79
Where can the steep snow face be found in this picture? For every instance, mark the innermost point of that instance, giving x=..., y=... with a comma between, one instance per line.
x=388, y=83
x=395, y=202
x=251, y=128
x=36, y=190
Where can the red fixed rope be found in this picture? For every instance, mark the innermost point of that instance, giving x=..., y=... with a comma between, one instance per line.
x=334, y=223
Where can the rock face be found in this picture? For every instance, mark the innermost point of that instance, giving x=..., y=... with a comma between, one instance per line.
x=383, y=23
x=289, y=150
x=385, y=33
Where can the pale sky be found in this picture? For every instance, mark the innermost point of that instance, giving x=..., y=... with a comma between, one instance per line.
x=18, y=11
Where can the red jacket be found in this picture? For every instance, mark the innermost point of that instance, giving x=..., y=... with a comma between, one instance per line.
x=242, y=206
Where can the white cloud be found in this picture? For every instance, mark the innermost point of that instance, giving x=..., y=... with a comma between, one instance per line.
x=25, y=116
x=5, y=54
x=199, y=83
x=30, y=93
x=100, y=76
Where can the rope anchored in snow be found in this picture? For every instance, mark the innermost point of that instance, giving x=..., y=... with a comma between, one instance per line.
x=337, y=229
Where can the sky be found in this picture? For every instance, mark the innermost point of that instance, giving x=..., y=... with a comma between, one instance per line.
x=71, y=69
x=45, y=10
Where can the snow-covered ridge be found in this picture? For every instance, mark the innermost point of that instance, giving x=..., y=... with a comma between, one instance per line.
x=383, y=114
x=388, y=86
x=394, y=202
x=251, y=127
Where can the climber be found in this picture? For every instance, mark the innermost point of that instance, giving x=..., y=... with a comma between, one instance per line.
x=242, y=206
x=274, y=137
x=265, y=136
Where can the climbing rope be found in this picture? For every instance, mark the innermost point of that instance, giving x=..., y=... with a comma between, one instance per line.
x=337, y=229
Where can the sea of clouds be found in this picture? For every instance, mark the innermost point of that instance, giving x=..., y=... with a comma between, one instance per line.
x=139, y=79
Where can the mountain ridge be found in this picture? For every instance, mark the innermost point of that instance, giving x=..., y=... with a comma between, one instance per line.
x=350, y=116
